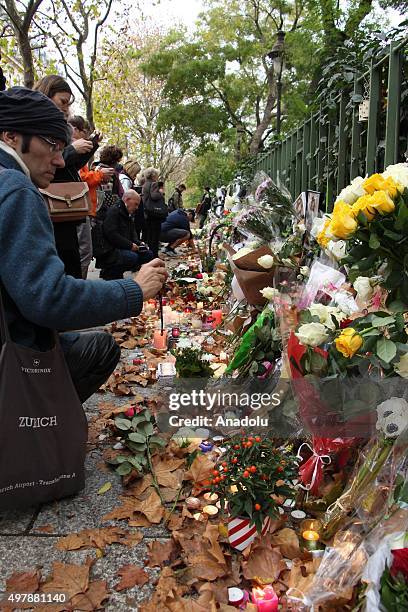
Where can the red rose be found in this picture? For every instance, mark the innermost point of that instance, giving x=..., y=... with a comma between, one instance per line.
x=199, y=275
x=400, y=562
x=130, y=412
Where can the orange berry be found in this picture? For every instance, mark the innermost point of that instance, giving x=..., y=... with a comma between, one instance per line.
x=236, y=447
x=252, y=469
x=217, y=480
x=246, y=474
x=280, y=469
x=215, y=473
x=249, y=444
x=258, y=439
x=224, y=464
x=234, y=460
x=257, y=506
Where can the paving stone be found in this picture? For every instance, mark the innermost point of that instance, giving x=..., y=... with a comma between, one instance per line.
x=28, y=552
x=85, y=510
x=15, y=521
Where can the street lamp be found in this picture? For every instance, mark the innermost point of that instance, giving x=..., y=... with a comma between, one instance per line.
x=277, y=57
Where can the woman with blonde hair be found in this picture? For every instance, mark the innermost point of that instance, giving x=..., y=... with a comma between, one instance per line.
x=129, y=174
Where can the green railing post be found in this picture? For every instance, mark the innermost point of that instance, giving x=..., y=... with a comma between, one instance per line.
x=313, y=160
x=393, y=106
x=322, y=145
x=341, y=159
x=299, y=152
x=355, y=133
x=306, y=155
x=293, y=142
x=329, y=164
x=371, y=152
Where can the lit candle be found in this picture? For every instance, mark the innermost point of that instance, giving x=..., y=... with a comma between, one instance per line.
x=223, y=357
x=200, y=305
x=265, y=599
x=160, y=340
x=217, y=316
x=311, y=540
x=210, y=510
x=210, y=497
x=175, y=332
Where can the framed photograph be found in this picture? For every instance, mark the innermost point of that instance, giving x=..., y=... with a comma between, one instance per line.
x=312, y=208
x=300, y=205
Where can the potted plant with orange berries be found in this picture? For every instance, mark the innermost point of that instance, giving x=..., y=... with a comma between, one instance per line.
x=251, y=475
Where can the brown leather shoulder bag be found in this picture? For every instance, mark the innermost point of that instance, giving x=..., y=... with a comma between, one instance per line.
x=67, y=201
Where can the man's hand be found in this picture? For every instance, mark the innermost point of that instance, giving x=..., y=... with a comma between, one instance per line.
x=107, y=173
x=151, y=278
x=134, y=248
x=82, y=145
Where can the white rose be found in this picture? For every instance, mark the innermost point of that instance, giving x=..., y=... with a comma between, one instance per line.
x=266, y=261
x=317, y=226
x=312, y=334
x=402, y=366
x=337, y=249
x=300, y=228
x=364, y=288
x=269, y=293
x=354, y=191
x=398, y=172
x=242, y=252
x=305, y=271
x=321, y=311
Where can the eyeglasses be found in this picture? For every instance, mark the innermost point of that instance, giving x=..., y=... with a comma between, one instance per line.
x=55, y=147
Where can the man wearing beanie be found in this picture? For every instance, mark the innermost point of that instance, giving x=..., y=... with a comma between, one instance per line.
x=38, y=296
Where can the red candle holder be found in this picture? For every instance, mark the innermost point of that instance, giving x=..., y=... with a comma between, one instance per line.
x=175, y=332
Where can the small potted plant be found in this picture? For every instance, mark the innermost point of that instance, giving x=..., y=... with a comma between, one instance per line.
x=251, y=479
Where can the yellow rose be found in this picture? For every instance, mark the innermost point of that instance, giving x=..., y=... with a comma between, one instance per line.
x=343, y=223
x=381, y=201
x=376, y=182
x=348, y=342
x=322, y=238
x=364, y=205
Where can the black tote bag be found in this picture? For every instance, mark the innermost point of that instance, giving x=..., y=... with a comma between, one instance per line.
x=43, y=428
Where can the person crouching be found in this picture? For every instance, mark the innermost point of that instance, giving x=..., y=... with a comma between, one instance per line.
x=128, y=252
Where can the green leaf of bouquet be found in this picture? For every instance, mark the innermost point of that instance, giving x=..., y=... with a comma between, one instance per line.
x=397, y=306
x=381, y=321
x=146, y=429
x=137, y=437
x=156, y=441
x=139, y=418
x=386, y=349
x=124, y=469
x=374, y=242
x=123, y=424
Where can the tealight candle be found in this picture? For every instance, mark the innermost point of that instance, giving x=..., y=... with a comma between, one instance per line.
x=210, y=497
x=210, y=510
x=223, y=357
x=217, y=316
x=193, y=503
x=265, y=599
x=298, y=515
x=235, y=597
x=160, y=340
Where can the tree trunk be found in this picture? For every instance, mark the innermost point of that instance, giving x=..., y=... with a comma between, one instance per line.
x=256, y=140
x=27, y=57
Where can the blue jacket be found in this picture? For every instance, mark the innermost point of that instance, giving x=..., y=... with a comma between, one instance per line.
x=176, y=220
x=38, y=295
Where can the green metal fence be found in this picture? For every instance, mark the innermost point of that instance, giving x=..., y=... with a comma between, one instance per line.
x=334, y=146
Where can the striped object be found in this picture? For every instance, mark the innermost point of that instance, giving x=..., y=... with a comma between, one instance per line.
x=241, y=533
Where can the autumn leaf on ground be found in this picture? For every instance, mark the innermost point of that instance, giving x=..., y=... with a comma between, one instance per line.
x=288, y=543
x=200, y=469
x=68, y=578
x=104, y=488
x=159, y=552
x=131, y=575
x=126, y=510
x=264, y=563
x=23, y=582
x=87, y=538
x=151, y=507
x=132, y=539
x=164, y=468
x=92, y=599
x=212, y=534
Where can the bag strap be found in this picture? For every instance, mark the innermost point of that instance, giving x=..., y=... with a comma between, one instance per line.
x=4, y=330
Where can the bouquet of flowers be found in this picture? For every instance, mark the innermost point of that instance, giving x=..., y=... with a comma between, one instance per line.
x=371, y=216
x=259, y=348
x=191, y=360
x=394, y=582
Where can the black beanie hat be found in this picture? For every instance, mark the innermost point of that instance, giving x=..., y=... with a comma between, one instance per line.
x=30, y=112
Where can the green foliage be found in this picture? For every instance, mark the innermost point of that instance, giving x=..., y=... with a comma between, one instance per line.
x=258, y=470
x=138, y=436
x=214, y=167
